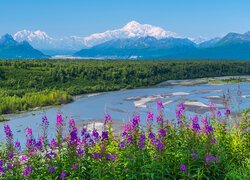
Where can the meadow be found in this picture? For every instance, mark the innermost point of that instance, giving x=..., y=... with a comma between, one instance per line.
x=215, y=146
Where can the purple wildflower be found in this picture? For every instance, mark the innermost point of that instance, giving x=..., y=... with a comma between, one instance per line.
x=159, y=119
x=45, y=122
x=182, y=167
x=159, y=144
x=80, y=152
x=182, y=107
x=121, y=145
x=105, y=135
x=227, y=112
x=27, y=171
x=23, y=158
x=9, y=166
x=59, y=120
x=111, y=157
x=8, y=131
x=162, y=133
x=107, y=119
x=142, y=141
x=218, y=113
x=10, y=155
x=17, y=146
x=53, y=143
x=150, y=116
x=52, y=169
x=63, y=175
x=28, y=132
x=151, y=136
x=160, y=104
x=1, y=170
x=194, y=155
x=97, y=156
x=74, y=166
x=208, y=129
x=73, y=137
x=95, y=134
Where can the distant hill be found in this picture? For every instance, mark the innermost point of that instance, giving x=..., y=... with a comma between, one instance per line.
x=9, y=48
x=136, y=48
x=231, y=46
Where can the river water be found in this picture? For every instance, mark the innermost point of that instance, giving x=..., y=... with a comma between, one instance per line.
x=121, y=105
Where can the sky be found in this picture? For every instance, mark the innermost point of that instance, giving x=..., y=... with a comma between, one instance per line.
x=188, y=18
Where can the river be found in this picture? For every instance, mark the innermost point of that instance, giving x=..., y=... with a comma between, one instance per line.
x=121, y=105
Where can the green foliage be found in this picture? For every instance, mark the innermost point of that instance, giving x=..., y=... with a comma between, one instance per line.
x=220, y=152
x=19, y=77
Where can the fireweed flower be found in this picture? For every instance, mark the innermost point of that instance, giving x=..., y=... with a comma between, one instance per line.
x=130, y=139
x=182, y=167
x=73, y=137
x=150, y=116
x=27, y=171
x=182, y=107
x=53, y=143
x=218, y=113
x=159, y=119
x=107, y=119
x=23, y=158
x=160, y=105
x=95, y=134
x=28, y=132
x=52, y=169
x=1, y=170
x=111, y=157
x=210, y=159
x=142, y=139
x=17, y=146
x=9, y=138
x=10, y=155
x=227, y=112
x=105, y=135
x=9, y=166
x=121, y=145
x=158, y=144
x=74, y=166
x=63, y=175
x=208, y=129
x=8, y=131
x=204, y=121
x=39, y=145
x=97, y=156
x=59, y=120
x=151, y=136
x=162, y=133
x=195, y=124
x=50, y=154
x=194, y=155
x=80, y=152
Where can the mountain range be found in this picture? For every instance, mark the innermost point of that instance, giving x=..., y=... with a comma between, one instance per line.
x=133, y=41
x=11, y=49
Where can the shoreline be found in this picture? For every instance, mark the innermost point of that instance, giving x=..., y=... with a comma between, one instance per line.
x=168, y=83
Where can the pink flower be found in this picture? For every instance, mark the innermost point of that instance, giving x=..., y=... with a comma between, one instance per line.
x=29, y=132
x=150, y=116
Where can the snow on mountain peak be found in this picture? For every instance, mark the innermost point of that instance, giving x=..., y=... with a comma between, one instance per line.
x=41, y=40
x=135, y=29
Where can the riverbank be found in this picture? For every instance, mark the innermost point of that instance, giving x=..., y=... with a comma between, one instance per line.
x=141, y=101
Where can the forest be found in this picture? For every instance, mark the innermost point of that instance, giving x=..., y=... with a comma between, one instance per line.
x=26, y=84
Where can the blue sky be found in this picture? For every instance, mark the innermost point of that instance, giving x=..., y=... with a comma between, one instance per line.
x=190, y=18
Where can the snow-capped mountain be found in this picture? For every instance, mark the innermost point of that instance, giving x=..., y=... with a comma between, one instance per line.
x=9, y=48
x=130, y=30
x=42, y=41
